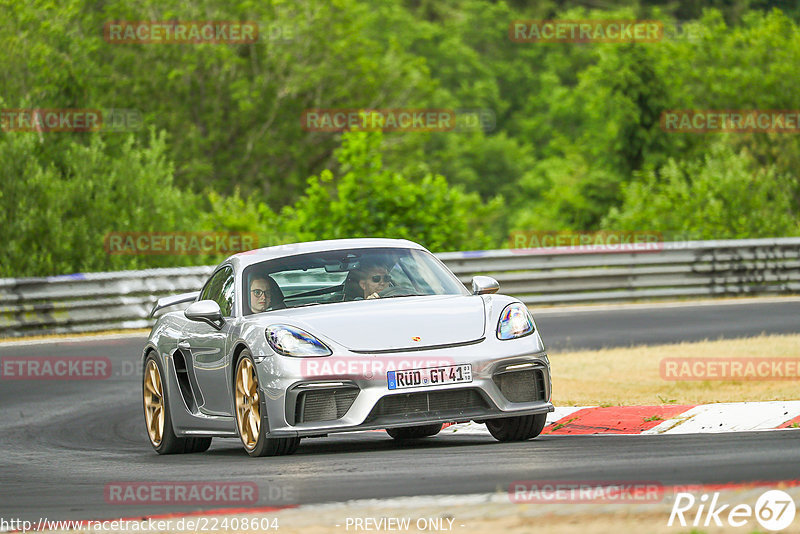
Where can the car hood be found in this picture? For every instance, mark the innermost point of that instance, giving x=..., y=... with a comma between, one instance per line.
x=393, y=323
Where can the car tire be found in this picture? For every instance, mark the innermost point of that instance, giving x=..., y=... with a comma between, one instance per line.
x=157, y=417
x=517, y=428
x=414, y=432
x=251, y=424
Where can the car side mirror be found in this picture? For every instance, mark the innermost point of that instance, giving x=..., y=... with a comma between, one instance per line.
x=205, y=311
x=484, y=285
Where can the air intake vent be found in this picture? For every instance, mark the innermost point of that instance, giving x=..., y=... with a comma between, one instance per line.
x=430, y=401
x=324, y=404
x=184, y=384
x=521, y=386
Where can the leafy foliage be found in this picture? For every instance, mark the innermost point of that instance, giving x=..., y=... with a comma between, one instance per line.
x=55, y=214
x=576, y=142
x=722, y=195
x=369, y=201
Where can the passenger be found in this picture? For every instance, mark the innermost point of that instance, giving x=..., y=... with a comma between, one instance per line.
x=265, y=294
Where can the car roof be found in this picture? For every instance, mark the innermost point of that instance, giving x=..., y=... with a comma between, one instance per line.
x=243, y=259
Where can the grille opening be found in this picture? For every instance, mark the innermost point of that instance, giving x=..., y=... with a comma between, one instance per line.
x=521, y=386
x=324, y=404
x=428, y=401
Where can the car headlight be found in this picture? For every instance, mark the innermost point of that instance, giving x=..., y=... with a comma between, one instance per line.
x=515, y=321
x=291, y=341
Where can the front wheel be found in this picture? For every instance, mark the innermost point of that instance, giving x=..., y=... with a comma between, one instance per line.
x=250, y=424
x=414, y=432
x=517, y=428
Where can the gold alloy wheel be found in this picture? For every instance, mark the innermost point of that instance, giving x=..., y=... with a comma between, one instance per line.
x=153, y=403
x=248, y=414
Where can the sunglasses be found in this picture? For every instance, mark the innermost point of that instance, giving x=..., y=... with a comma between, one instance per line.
x=377, y=278
x=258, y=293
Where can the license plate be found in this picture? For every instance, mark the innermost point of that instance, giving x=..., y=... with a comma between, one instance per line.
x=430, y=376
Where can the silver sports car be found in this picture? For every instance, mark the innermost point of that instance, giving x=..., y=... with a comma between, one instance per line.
x=334, y=336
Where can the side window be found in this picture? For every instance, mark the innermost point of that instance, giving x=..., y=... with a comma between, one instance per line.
x=213, y=285
x=226, y=297
x=219, y=288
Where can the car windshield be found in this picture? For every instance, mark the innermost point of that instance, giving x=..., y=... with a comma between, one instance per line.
x=346, y=275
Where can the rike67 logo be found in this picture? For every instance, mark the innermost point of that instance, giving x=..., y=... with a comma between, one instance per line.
x=774, y=510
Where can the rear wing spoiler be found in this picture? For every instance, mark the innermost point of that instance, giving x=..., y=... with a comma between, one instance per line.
x=166, y=302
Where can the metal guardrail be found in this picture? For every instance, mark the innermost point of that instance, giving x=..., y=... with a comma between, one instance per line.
x=121, y=300
x=91, y=301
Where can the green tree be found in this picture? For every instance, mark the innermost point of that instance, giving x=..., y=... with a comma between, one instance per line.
x=369, y=201
x=55, y=215
x=722, y=195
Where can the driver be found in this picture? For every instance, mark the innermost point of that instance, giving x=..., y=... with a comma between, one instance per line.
x=373, y=278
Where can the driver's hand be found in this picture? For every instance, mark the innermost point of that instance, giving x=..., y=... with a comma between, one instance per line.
x=374, y=296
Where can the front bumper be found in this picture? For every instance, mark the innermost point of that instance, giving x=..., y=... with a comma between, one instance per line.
x=365, y=401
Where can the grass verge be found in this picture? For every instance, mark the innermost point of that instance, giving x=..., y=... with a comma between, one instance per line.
x=631, y=376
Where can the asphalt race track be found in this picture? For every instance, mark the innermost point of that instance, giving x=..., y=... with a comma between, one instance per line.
x=565, y=329
x=62, y=442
